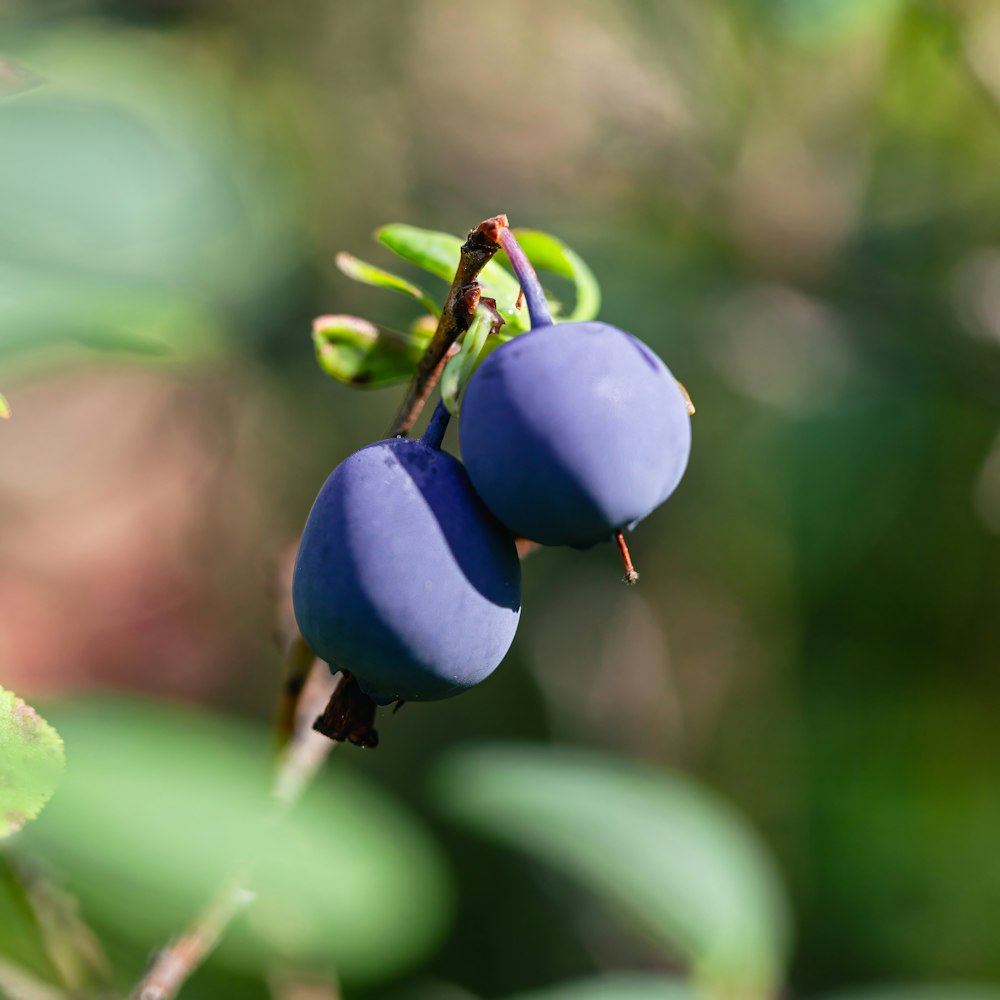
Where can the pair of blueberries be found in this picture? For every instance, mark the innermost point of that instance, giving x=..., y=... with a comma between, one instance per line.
x=408, y=575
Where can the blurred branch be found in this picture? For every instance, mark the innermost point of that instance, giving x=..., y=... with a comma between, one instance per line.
x=18, y=984
x=184, y=954
x=298, y=764
x=308, y=686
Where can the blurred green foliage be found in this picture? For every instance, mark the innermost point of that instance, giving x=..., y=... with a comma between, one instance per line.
x=159, y=802
x=795, y=204
x=657, y=846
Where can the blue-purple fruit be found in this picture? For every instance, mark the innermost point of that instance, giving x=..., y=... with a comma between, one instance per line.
x=572, y=432
x=403, y=577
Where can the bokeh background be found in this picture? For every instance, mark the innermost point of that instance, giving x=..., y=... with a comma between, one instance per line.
x=795, y=202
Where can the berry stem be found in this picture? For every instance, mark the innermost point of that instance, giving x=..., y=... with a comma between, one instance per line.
x=631, y=576
x=436, y=426
x=538, y=306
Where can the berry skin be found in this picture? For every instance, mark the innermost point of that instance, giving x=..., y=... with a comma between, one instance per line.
x=572, y=432
x=403, y=578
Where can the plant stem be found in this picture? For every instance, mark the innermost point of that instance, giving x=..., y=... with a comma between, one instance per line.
x=298, y=764
x=308, y=684
x=456, y=317
x=184, y=954
x=433, y=436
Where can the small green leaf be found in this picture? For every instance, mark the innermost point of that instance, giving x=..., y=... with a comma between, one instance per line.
x=369, y=274
x=621, y=986
x=4, y=408
x=440, y=253
x=459, y=367
x=436, y=252
x=358, y=353
x=547, y=253
x=661, y=848
x=31, y=762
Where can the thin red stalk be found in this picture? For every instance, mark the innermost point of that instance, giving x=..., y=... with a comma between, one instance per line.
x=631, y=576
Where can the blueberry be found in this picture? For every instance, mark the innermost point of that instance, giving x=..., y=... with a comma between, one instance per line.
x=572, y=432
x=403, y=577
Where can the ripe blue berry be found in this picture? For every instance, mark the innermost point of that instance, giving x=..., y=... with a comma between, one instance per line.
x=572, y=432
x=403, y=578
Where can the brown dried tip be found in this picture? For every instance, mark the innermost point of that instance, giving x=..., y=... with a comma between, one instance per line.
x=525, y=546
x=687, y=397
x=631, y=576
x=349, y=715
x=490, y=228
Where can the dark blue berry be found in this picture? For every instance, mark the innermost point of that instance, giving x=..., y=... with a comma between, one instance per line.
x=403, y=578
x=574, y=431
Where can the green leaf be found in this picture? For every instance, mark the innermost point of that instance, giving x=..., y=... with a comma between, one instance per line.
x=436, y=252
x=31, y=762
x=440, y=253
x=624, y=986
x=358, y=353
x=163, y=805
x=369, y=274
x=4, y=407
x=547, y=253
x=680, y=863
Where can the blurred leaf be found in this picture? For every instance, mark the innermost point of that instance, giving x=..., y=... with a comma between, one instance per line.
x=827, y=21
x=357, y=352
x=369, y=274
x=440, y=253
x=163, y=805
x=624, y=986
x=547, y=253
x=31, y=762
x=679, y=862
x=23, y=940
x=4, y=407
x=939, y=991
x=127, y=168
x=18, y=984
x=15, y=79
x=45, y=308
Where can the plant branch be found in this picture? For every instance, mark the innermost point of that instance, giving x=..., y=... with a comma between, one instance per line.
x=184, y=954
x=456, y=317
x=308, y=686
x=300, y=760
